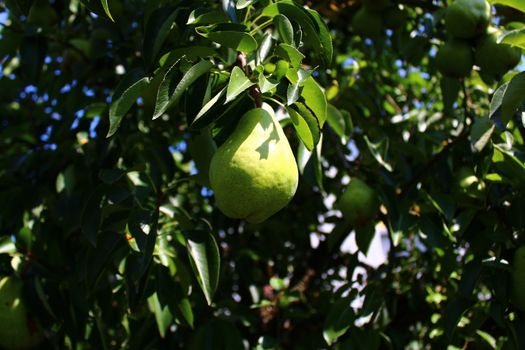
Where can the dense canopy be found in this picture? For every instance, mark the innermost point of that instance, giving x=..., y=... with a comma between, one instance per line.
x=111, y=110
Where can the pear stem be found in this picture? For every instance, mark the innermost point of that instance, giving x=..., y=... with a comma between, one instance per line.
x=257, y=96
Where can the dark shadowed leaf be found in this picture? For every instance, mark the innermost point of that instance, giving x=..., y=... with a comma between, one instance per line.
x=339, y=319
x=130, y=88
x=159, y=25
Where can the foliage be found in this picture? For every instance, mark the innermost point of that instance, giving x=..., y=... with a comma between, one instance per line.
x=111, y=110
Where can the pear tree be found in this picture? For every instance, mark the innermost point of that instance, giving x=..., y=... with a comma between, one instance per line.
x=262, y=174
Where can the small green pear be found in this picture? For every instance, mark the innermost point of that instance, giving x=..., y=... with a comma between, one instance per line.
x=281, y=68
x=466, y=19
x=42, y=14
x=518, y=279
x=17, y=329
x=455, y=59
x=495, y=59
x=367, y=24
x=358, y=203
x=254, y=173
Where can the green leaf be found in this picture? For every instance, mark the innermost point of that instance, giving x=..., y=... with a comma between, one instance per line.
x=234, y=39
x=336, y=120
x=508, y=165
x=265, y=85
x=245, y=3
x=513, y=97
x=324, y=36
x=159, y=25
x=315, y=99
x=140, y=228
x=284, y=28
x=469, y=277
x=481, y=133
x=192, y=53
x=110, y=176
x=208, y=106
x=162, y=314
x=305, y=124
x=514, y=37
x=167, y=96
x=106, y=9
x=517, y=4
x=453, y=313
x=291, y=54
x=238, y=83
x=206, y=16
x=301, y=127
x=340, y=318
x=293, y=93
x=126, y=94
x=204, y=253
x=7, y=246
x=314, y=29
x=264, y=48
x=497, y=100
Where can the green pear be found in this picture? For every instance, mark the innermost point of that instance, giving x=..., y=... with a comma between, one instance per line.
x=467, y=18
x=254, y=173
x=42, y=14
x=455, y=59
x=358, y=203
x=281, y=68
x=495, y=59
x=367, y=24
x=518, y=279
x=17, y=329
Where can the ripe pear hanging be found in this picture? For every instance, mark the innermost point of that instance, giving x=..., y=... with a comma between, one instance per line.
x=254, y=173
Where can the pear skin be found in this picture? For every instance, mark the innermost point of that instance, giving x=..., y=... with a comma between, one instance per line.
x=466, y=19
x=18, y=330
x=495, y=59
x=254, y=173
x=455, y=59
x=358, y=203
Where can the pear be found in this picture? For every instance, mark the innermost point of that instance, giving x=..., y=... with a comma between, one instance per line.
x=518, y=279
x=466, y=19
x=254, y=173
x=42, y=14
x=495, y=59
x=455, y=59
x=368, y=24
x=358, y=203
x=17, y=329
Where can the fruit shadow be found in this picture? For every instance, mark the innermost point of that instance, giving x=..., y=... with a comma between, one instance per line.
x=264, y=147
